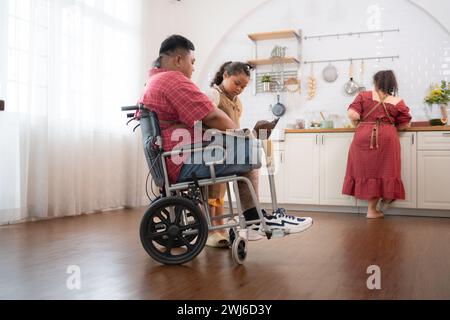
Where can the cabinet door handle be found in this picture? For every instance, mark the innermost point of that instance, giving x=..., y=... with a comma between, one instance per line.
x=413, y=139
x=317, y=139
x=323, y=140
x=446, y=134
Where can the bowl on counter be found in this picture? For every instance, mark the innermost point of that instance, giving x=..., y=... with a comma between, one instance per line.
x=327, y=124
x=315, y=124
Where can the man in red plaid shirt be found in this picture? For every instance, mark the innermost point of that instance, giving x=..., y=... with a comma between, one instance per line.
x=179, y=105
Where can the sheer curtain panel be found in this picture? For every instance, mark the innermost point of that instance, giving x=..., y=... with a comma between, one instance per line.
x=67, y=66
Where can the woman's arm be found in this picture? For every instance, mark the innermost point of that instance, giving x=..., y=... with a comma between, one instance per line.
x=356, y=109
x=353, y=115
x=403, y=119
x=404, y=127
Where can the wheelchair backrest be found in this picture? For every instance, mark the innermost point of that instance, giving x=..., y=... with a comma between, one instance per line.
x=152, y=141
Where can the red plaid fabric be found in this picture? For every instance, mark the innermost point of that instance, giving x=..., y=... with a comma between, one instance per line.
x=376, y=173
x=176, y=100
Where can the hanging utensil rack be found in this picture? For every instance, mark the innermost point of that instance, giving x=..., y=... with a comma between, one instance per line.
x=350, y=34
x=282, y=67
x=353, y=59
x=278, y=79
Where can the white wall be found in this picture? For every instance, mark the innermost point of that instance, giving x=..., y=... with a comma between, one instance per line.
x=437, y=9
x=3, y=48
x=219, y=31
x=204, y=22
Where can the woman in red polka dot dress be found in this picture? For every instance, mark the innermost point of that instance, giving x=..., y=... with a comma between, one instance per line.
x=374, y=164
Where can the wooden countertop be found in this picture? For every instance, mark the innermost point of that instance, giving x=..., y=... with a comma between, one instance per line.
x=413, y=129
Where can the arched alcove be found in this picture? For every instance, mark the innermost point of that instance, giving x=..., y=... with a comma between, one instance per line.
x=423, y=44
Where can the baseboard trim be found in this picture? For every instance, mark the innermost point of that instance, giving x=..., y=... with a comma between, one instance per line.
x=361, y=210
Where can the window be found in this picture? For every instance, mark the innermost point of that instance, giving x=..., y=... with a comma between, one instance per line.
x=73, y=59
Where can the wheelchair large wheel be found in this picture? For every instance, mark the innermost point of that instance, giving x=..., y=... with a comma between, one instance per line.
x=174, y=230
x=178, y=242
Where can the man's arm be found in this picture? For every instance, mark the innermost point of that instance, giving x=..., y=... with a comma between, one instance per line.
x=219, y=120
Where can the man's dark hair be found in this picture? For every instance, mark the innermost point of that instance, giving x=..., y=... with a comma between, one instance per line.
x=171, y=45
x=175, y=42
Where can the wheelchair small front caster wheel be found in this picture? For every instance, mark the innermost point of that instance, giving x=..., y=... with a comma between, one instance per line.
x=239, y=250
x=232, y=236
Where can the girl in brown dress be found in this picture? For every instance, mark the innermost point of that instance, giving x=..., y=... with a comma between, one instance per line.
x=229, y=82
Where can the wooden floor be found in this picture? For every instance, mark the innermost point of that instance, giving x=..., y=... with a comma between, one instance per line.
x=329, y=261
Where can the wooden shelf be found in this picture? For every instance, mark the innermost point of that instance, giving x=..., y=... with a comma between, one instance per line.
x=261, y=62
x=274, y=35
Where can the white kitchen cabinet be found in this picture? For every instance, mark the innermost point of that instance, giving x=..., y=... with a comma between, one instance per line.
x=434, y=180
x=408, y=144
x=434, y=141
x=314, y=169
x=301, y=167
x=330, y=152
x=334, y=149
x=434, y=170
x=264, y=189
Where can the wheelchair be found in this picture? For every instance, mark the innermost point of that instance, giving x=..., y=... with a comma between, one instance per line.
x=175, y=228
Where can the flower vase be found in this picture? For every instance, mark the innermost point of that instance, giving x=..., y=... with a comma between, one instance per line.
x=438, y=114
x=444, y=114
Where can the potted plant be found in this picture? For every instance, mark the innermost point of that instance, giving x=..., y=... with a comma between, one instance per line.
x=266, y=82
x=438, y=98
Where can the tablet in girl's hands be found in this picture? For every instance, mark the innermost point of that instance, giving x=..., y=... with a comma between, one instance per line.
x=264, y=128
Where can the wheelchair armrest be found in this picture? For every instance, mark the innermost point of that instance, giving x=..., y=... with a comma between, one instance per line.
x=192, y=149
x=239, y=133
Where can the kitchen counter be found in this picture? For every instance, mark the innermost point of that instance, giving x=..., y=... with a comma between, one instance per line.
x=318, y=158
x=413, y=129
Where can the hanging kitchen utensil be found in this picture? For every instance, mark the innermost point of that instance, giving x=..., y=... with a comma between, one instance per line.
x=292, y=85
x=330, y=73
x=351, y=87
x=312, y=84
x=279, y=109
x=278, y=52
x=362, y=87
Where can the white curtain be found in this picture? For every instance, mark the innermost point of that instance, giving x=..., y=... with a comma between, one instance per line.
x=64, y=148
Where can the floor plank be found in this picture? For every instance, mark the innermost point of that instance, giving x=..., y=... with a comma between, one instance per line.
x=329, y=261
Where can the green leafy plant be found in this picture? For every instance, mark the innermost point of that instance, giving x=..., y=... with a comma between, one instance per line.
x=439, y=94
x=266, y=78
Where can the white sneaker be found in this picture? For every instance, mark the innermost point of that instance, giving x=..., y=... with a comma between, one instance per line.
x=251, y=234
x=254, y=233
x=288, y=223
